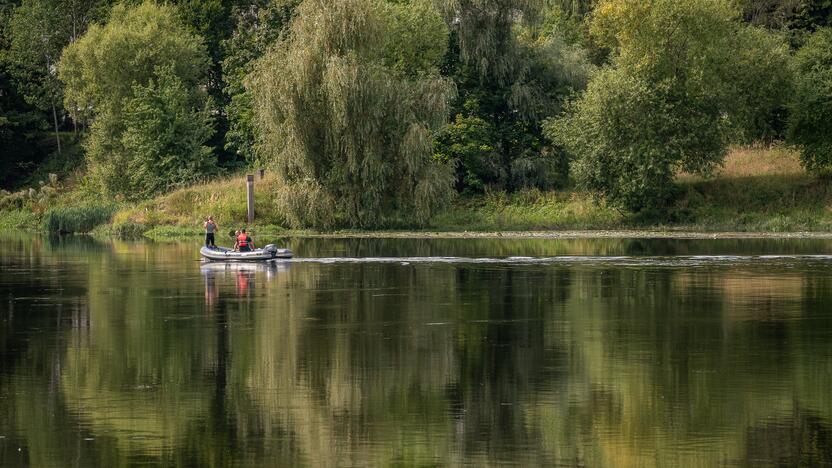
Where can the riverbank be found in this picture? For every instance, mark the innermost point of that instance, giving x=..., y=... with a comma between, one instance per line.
x=174, y=233
x=758, y=193
x=757, y=190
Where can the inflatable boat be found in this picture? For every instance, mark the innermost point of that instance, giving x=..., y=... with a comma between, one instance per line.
x=222, y=254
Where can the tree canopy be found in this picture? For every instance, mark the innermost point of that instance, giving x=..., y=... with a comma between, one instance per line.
x=346, y=126
x=684, y=79
x=810, y=123
x=369, y=109
x=102, y=73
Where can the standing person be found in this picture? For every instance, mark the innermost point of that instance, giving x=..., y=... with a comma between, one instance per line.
x=210, y=228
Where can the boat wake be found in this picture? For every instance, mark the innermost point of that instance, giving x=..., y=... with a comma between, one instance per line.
x=679, y=260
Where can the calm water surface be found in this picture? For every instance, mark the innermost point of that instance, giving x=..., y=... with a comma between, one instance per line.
x=417, y=353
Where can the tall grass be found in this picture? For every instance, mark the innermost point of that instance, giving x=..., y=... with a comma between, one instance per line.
x=78, y=218
x=18, y=219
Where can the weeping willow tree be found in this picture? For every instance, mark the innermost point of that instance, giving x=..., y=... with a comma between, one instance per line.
x=510, y=75
x=345, y=124
x=485, y=33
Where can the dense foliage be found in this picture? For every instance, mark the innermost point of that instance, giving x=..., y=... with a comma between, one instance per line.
x=103, y=74
x=510, y=76
x=344, y=120
x=166, y=128
x=259, y=25
x=810, y=125
x=374, y=110
x=683, y=75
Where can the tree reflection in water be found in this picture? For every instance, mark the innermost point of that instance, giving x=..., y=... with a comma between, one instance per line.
x=123, y=353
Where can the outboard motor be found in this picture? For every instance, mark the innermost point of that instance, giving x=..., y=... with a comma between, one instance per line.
x=271, y=248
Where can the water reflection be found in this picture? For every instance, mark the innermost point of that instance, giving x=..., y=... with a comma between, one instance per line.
x=133, y=353
x=244, y=275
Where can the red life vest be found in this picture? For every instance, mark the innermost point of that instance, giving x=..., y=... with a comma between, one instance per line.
x=242, y=240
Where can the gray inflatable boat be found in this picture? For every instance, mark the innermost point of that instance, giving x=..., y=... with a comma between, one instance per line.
x=222, y=254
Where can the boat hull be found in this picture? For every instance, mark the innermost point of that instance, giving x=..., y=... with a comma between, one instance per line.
x=222, y=254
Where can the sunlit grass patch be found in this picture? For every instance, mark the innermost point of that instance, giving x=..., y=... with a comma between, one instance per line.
x=225, y=200
x=527, y=210
x=778, y=160
x=759, y=190
x=19, y=219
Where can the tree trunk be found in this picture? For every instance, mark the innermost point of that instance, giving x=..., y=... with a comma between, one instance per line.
x=74, y=116
x=55, y=119
x=52, y=101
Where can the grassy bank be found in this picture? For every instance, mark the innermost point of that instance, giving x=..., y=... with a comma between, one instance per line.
x=757, y=190
x=760, y=190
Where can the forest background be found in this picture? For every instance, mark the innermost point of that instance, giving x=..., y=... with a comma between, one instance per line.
x=134, y=117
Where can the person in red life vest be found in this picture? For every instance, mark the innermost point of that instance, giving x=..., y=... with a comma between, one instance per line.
x=244, y=242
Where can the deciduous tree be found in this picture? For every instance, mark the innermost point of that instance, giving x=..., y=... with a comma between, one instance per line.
x=350, y=133
x=166, y=128
x=682, y=84
x=810, y=121
x=258, y=26
x=511, y=75
x=102, y=72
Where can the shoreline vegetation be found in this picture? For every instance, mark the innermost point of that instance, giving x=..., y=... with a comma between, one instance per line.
x=759, y=192
x=416, y=117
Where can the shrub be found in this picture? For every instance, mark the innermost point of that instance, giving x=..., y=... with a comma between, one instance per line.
x=630, y=138
x=810, y=121
x=80, y=218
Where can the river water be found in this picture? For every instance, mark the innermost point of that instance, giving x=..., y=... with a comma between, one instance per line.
x=380, y=352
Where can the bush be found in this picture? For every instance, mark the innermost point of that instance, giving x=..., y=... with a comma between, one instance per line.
x=166, y=128
x=629, y=138
x=80, y=218
x=810, y=121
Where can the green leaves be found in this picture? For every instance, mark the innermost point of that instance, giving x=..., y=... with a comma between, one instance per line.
x=417, y=40
x=686, y=79
x=810, y=120
x=165, y=133
x=101, y=68
x=469, y=143
x=348, y=120
x=140, y=76
x=258, y=27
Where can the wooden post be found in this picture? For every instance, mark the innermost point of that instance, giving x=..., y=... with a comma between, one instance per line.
x=250, y=186
x=262, y=173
